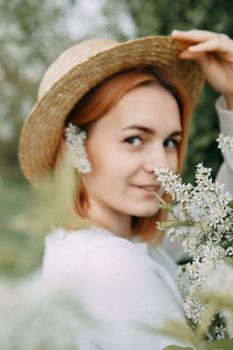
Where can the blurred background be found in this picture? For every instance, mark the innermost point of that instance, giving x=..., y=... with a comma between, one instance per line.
x=32, y=34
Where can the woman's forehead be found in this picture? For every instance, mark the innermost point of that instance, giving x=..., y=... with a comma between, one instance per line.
x=145, y=106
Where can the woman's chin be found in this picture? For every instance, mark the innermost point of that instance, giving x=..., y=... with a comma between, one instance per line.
x=145, y=213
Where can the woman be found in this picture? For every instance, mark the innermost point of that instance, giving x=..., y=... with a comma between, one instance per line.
x=132, y=104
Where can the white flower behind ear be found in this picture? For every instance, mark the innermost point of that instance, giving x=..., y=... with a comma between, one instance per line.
x=75, y=139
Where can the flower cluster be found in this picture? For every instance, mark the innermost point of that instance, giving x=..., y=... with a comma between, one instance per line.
x=75, y=139
x=203, y=224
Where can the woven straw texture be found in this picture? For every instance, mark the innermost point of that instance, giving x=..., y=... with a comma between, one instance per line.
x=79, y=69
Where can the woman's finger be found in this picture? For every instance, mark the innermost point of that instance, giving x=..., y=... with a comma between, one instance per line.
x=218, y=43
x=190, y=55
x=202, y=58
x=195, y=35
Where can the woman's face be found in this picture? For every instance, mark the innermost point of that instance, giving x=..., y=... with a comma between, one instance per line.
x=141, y=132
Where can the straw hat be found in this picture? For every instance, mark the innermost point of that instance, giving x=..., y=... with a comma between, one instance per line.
x=79, y=69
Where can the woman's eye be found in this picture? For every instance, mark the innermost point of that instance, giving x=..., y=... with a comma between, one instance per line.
x=134, y=140
x=171, y=143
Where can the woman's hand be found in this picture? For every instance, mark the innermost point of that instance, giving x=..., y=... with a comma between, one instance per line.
x=214, y=53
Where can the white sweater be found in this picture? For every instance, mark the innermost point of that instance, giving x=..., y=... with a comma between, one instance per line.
x=121, y=282
x=118, y=282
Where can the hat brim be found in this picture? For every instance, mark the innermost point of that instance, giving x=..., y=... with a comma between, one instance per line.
x=43, y=127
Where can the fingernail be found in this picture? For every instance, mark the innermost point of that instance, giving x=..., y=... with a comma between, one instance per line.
x=191, y=48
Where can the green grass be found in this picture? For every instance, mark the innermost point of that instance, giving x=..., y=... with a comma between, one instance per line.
x=20, y=249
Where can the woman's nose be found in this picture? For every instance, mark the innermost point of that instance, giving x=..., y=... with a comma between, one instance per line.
x=157, y=161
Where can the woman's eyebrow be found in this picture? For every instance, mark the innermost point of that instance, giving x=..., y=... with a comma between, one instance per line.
x=149, y=130
x=139, y=127
x=176, y=134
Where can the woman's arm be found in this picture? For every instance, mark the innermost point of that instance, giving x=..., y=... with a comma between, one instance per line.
x=225, y=173
x=214, y=54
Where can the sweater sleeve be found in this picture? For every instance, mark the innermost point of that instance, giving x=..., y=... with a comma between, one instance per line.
x=121, y=287
x=225, y=173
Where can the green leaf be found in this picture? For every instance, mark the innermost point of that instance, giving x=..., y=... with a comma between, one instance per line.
x=219, y=300
x=174, y=329
x=221, y=344
x=180, y=331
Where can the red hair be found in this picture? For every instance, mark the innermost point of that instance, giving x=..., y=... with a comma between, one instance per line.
x=103, y=97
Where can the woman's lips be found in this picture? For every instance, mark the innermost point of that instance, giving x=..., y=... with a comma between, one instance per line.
x=149, y=188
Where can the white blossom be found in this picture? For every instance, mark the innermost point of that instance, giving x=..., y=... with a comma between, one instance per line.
x=172, y=184
x=211, y=254
x=225, y=143
x=229, y=251
x=220, y=331
x=75, y=139
x=202, y=227
x=194, y=308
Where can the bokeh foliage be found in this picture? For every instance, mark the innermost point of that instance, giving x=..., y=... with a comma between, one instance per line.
x=27, y=32
x=20, y=249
